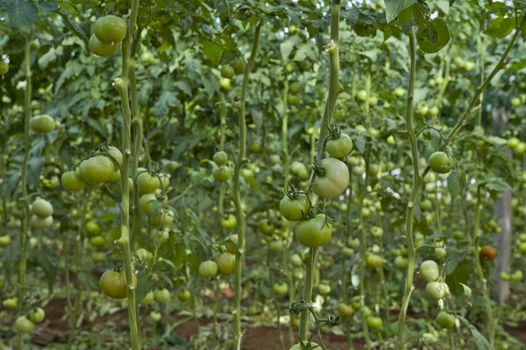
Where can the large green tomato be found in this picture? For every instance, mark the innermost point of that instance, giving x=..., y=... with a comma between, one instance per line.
x=332, y=179
x=374, y=322
x=208, y=269
x=23, y=325
x=147, y=183
x=42, y=124
x=37, y=315
x=113, y=284
x=4, y=67
x=96, y=170
x=445, y=320
x=42, y=208
x=340, y=146
x=436, y=290
x=429, y=270
x=110, y=29
x=294, y=208
x=226, y=264
x=100, y=49
x=71, y=181
x=314, y=232
x=439, y=162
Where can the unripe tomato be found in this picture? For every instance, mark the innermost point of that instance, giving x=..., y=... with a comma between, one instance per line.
x=436, y=290
x=71, y=181
x=513, y=142
x=231, y=244
x=440, y=253
x=155, y=316
x=41, y=223
x=445, y=320
x=10, y=303
x=520, y=149
x=110, y=29
x=100, y=49
x=429, y=270
x=324, y=288
x=227, y=71
x=147, y=183
x=184, y=295
x=220, y=158
x=294, y=208
x=164, y=218
x=255, y=147
x=314, y=232
x=339, y=146
x=276, y=246
x=374, y=322
x=37, y=315
x=362, y=95
x=4, y=67
x=42, y=124
x=293, y=100
x=374, y=261
x=345, y=310
x=391, y=140
x=439, y=162
x=332, y=179
x=225, y=83
x=5, y=240
x=208, y=268
x=97, y=257
x=115, y=155
x=96, y=170
x=266, y=227
x=92, y=228
x=400, y=262
x=522, y=248
x=162, y=296
x=229, y=222
x=42, y=208
x=238, y=64
x=226, y=264
x=97, y=241
x=488, y=253
x=144, y=255
x=280, y=289
x=296, y=260
x=113, y=284
x=223, y=173
x=23, y=325
x=517, y=276
x=399, y=91
x=148, y=298
x=147, y=203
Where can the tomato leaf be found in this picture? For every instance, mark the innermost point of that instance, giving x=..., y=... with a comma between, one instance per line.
x=433, y=35
x=20, y=14
x=501, y=27
x=455, y=183
x=394, y=7
x=480, y=341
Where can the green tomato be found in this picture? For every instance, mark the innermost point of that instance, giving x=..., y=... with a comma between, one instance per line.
x=41, y=223
x=439, y=162
x=280, y=289
x=10, y=303
x=362, y=95
x=148, y=299
x=42, y=124
x=227, y=71
x=4, y=67
x=391, y=140
x=23, y=325
x=5, y=240
x=71, y=181
x=266, y=227
x=226, y=264
x=332, y=178
x=223, y=173
x=37, y=315
x=225, y=83
x=429, y=270
x=96, y=170
x=113, y=284
x=314, y=232
x=42, y=208
x=374, y=261
x=229, y=222
x=239, y=65
x=220, y=158
x=92, y=228
x=110, y=29
x=440, y=253
x=324, y=288
x=147, y=203
x=345, y=310
x=293, y=100
x=294, y=208
x=445, y=320
x=162, y=296
x=374, y=322
x=436, y=290
x=339, y=146
x=276, y=246
x=522, y=248
x=184, y=295
x=155, y=316
x=208, y=269
x=100, y=49
x=147, y=183
x=401, y=263
x=296, y=260
x=97, y=241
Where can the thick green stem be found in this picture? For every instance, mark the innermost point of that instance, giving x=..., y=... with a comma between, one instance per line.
x=307, y=293
x=24, y=232
x=409, y=220
x=237, y=188
x=334, y=75
x=490, y=322
x=363, y=259
x=284, y=136
x=124, y=240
